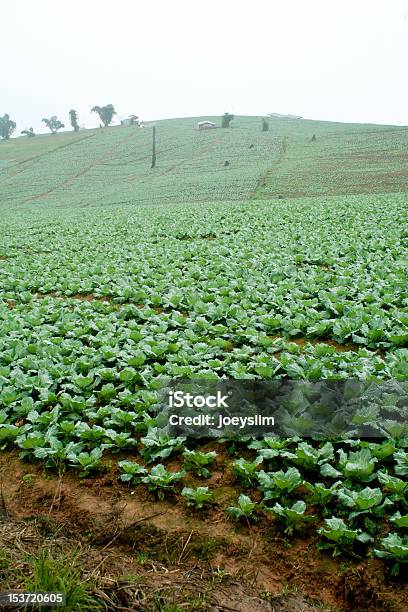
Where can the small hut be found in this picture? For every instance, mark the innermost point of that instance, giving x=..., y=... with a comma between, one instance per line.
x=131, y=120
x=206, y=125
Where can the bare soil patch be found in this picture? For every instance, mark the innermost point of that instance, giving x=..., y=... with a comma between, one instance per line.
x=143, y=554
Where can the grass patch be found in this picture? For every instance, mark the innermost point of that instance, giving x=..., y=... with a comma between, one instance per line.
x=62, y=573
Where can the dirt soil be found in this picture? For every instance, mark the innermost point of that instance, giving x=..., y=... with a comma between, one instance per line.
x=144, y=554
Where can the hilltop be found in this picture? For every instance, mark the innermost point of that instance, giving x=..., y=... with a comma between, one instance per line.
x=112, y=165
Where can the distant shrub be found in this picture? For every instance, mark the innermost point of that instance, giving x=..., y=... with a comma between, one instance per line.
x=30, y=132
x=226, y=119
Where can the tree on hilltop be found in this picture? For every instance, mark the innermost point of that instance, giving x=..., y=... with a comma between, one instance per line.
x=73, y=117
x=226, y=119
x=30, y=133
x=106, y=113
x=265, y=124
x=53, y=124
x=7, y=127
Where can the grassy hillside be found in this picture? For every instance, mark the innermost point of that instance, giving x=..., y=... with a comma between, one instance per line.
x=115, y=278
x=104, y=167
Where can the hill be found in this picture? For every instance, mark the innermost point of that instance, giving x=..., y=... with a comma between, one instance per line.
x=115, y=279
x=108, y=166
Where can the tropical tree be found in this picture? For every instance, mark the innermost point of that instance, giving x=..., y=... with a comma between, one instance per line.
x=73, y=117
x=265, y=124
x=53, y=124
x=30, y=133
x=106, y=113
x=7, y=127
x=226, y=119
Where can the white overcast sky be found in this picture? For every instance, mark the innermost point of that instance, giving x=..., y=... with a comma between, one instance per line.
x=343, y=60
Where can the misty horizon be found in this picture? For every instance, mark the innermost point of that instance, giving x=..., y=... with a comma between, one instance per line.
x=343, y=62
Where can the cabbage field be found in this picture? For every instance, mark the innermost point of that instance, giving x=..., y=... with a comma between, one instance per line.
x=114, y=281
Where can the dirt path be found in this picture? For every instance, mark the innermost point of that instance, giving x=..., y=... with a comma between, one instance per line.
x=183, y=554
x=264, y=178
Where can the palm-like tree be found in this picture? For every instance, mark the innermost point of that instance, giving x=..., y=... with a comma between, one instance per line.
x=106, y=113
x=73, y=117
x=7, y=127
